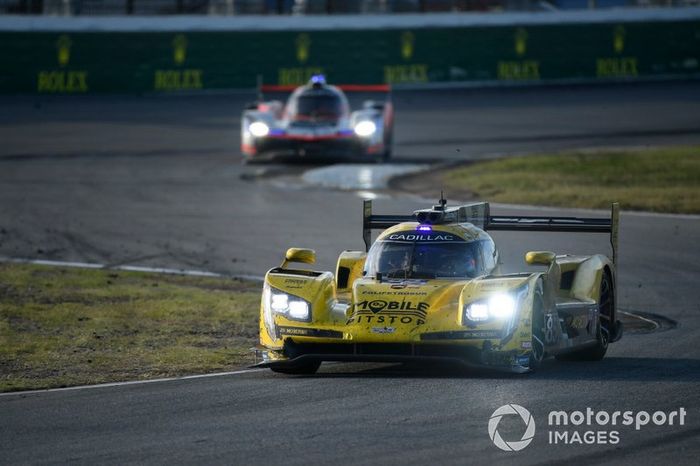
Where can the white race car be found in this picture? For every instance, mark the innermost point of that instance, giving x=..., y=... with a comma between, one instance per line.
x=316, y=122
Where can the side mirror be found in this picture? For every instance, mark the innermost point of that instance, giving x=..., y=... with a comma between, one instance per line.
x=540, y=257
x=305, y=256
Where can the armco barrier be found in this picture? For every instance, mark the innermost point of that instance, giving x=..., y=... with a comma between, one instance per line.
x=136, y=62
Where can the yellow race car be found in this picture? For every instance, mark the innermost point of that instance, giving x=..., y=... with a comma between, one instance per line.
x=430, y=288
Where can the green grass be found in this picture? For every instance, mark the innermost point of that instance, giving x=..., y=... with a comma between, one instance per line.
x=658, y=180
x=68, y=326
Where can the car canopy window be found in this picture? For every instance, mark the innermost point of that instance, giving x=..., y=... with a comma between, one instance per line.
x=427, y=259
x=316, y=105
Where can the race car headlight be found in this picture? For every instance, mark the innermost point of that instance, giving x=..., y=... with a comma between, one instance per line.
x=365, y=128
x=500, y=306
x=259, y=129
x=476, y=312
x=290, y=306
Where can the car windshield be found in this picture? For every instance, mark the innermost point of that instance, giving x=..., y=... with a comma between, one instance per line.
x=317, y=106
x=409, y=259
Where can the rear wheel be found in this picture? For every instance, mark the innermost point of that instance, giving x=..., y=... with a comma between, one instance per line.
x=606, y=304
x=304, y=368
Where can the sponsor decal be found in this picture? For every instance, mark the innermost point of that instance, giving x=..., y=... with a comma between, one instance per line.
x=379, y=305
x=178, y=79
x=294, y=283
x=310, y=332
x=617, y=66
x=623, y=67
x=519, y=70
x=407, y=42
x=303, y=43
x=383, y=330
x=550, y=335
x=492, y=285
x=422, y=236
x=406, y=73
x=522, y=68
x=379, y=311
x=578, y=322
x=520, y=41
x=393, y=292
x=297, y=76
x=387, y=319
x=63, y=80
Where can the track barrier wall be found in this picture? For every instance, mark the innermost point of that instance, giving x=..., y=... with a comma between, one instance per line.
x=77, y=62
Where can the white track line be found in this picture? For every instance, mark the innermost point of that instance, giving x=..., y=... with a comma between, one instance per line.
x=128, y=268
x=133, y=382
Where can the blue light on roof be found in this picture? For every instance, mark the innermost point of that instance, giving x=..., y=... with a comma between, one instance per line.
x=318, y=79
x=425, y=228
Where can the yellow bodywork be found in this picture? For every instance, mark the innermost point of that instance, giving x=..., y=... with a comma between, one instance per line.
x=367, y=311
x=348, y=308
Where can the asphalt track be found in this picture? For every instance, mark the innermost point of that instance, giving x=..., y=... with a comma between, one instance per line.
x=156, y=181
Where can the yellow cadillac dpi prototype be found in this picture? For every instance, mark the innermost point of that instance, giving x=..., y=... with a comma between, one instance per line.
x=430, y=288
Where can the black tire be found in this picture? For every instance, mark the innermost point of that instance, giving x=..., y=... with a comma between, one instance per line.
x=383, y=157
x=303, y=368
x=537, y=352
x=606, y=304
x=386, y=155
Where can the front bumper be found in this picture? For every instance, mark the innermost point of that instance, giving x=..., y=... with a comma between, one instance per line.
x=483, y=356
x=349, y=148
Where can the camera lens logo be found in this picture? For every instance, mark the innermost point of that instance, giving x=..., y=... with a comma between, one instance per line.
x=527, y=418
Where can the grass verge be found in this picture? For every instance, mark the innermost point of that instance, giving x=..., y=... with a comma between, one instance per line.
x=67, y=326
x=657, y=180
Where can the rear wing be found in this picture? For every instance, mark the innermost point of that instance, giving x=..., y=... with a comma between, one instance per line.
x=343, y=87
x=479, y=214
x=288, y=88
x=378, y=222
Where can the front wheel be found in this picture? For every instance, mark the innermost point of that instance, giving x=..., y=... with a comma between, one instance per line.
x=386, y=155
x=606, y=305
x=388, y=142
x=383, y=157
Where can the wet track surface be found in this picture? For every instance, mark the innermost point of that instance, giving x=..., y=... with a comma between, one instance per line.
x=156, y=181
